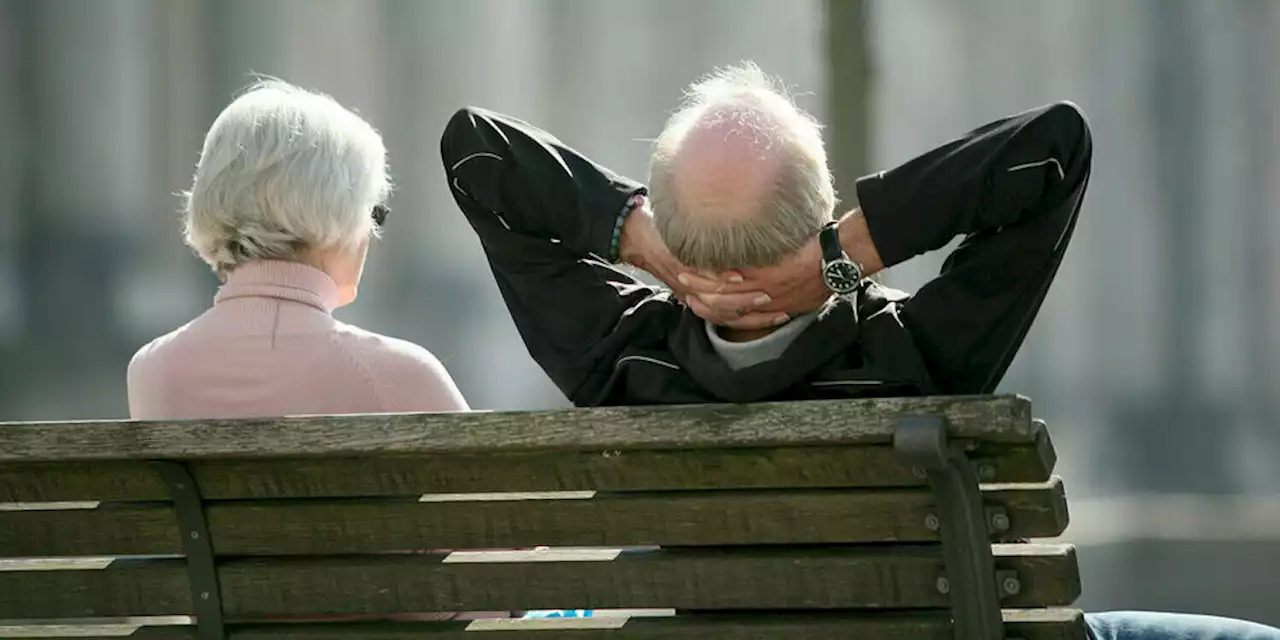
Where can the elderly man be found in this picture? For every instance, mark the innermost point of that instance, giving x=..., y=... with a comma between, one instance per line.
x=769, y=298
x=739, y=181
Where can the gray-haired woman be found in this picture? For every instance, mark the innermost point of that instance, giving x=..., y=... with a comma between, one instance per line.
x=288, y=192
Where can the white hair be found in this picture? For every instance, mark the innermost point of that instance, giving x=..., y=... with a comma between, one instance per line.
x=803, y=199
x=283, y=170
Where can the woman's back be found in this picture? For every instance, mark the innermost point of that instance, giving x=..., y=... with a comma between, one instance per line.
x=269, y=347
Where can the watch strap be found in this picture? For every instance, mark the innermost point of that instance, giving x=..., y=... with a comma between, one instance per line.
x=829, y=240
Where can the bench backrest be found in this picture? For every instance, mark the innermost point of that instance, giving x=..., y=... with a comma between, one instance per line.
x=772, y=520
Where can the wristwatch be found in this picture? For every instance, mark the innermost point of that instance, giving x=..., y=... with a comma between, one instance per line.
x=841, y=275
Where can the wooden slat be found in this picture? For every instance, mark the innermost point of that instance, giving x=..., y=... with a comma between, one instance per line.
x=153, y=627
x=998, y=418
x=1030, y=624
x=817, y=578
x=315, y=527
x=649, y=470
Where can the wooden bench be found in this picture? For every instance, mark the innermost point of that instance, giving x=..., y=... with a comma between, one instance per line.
x=827, y=519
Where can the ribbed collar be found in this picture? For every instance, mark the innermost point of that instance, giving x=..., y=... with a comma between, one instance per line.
x=282, y=280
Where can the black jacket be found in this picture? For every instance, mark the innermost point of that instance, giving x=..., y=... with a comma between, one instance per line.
x=545, y=216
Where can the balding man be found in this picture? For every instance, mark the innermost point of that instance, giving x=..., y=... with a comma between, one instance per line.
x=771, y=300
x=739, y=184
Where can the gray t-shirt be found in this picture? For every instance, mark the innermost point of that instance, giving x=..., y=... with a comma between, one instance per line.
x=740, y=355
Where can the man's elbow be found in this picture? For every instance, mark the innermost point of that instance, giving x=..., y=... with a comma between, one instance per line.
x=461, y=137
x=1054, y=138
x=1070, y=130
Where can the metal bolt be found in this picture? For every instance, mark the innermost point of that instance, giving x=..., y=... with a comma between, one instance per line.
x=1011, y=586
x=943, y=585
x=180, y=485
x=195, y=535
x=931, y=522
x=986, y=472
x=919, y=473
x=204, y=595
x=1000, y=522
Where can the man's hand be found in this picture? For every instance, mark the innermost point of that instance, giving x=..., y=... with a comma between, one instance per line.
x=791, y=287
x=640, y=246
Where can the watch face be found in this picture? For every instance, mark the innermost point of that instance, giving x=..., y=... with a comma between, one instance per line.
x=841, y=276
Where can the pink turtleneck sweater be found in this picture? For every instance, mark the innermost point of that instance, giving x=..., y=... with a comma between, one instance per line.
x=269, y=347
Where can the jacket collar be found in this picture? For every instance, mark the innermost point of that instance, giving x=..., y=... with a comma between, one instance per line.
x=283, y=281
x=836, y=330
x=833, y=332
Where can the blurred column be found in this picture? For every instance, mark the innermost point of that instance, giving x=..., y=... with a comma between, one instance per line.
x=1270, y=224
x=244, y=37
x=848, y=94
x=166, y=285
x=443, y=56
x=1177, y=442
x=1235, y=217
x=93, y=182
x=921, y=98
x=13, y=155
x=610, y=102
x=1233, y=172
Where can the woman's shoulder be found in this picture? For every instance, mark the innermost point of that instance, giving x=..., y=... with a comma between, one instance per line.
x=383, y=347
x=158, y=348
x=406, y=374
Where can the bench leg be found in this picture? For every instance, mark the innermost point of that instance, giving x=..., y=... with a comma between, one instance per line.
x=202, y=572
x=970, y=579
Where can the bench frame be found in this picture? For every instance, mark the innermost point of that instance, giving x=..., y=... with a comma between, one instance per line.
x=971, y=581
x=197, y=547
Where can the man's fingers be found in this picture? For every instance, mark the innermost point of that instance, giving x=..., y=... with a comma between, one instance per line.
x=701, y=310
x=751, y=320
x=712, y=283
x=730, y=303
x=699, y=283
x=727, y=277
x=759, y=320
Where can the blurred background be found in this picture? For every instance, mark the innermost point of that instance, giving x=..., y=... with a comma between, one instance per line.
x=1156, y=357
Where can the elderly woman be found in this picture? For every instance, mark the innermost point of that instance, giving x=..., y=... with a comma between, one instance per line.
x=288, y=193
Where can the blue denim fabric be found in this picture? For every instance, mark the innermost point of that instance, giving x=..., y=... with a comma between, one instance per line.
x=1148, y=625
x=1111, y=625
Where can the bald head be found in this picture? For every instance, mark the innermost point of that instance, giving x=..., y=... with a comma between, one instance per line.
x=738, y=177
x=724, y=172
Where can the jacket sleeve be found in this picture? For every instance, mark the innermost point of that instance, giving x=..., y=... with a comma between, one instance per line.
x=1012, y=189
x=546, y=216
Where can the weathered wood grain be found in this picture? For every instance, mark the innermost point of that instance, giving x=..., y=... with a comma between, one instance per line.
x=994, y=418
x=1035, y=624
x=643, y=470
x=115, y=628
x=806, y=578
x=122, y=588
x=714, y=518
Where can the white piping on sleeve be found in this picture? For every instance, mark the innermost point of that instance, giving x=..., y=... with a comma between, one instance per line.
x=1061, y=174
x=478, y=154
x=645, y=359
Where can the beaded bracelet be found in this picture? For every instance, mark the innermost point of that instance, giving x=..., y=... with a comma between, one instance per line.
x=614, y=245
